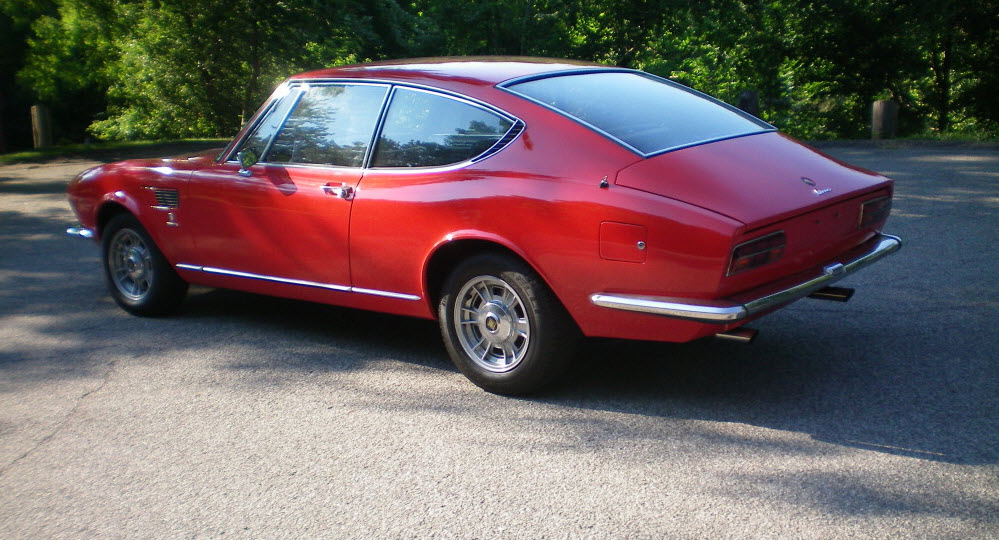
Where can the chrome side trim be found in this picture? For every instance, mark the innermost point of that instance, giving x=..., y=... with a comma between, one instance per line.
x=248, y=275
x=724, y=312
x=387, y=294
x=81, y=232
x=301, y=282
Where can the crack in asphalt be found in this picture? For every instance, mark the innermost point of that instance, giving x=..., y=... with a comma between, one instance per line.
x=62, y=423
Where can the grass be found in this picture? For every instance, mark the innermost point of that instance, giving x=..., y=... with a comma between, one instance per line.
x=110, y=150
x=955, y=137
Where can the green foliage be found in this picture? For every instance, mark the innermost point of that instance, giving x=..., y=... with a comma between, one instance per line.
x=67, y=56
x=113, y=151
x=194, y=68
x=188, y=68
x=16, y=17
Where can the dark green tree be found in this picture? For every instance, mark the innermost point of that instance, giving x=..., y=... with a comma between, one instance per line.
x=172, y=68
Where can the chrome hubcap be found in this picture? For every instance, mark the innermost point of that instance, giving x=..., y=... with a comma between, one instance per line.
x=492, y=324
x=130, y=263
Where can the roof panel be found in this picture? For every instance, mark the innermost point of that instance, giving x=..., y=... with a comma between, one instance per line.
x=476, y=70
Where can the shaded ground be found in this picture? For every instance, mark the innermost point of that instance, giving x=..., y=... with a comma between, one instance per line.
x=263, y=417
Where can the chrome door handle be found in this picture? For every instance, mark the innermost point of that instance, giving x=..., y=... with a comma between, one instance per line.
x=343, y=191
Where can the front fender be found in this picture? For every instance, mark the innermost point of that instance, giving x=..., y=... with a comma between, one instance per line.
x=97, y=194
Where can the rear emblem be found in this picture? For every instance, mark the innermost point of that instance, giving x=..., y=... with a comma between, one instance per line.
x=812, y=183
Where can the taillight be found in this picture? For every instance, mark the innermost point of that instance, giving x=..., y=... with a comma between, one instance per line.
x=874, y=211
x=756, y=253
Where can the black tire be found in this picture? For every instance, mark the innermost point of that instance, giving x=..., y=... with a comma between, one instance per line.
x=503, y=327
x=139, y=278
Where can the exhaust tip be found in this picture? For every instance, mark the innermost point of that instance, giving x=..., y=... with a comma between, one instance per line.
x=836, y=294
x=741, y=335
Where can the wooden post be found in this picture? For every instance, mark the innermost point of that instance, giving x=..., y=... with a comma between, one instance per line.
x=884, y=119
x=41, y=126
x=3, y=127
x=749, y=101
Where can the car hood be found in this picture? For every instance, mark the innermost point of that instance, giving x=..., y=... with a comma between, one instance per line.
x=757, y=179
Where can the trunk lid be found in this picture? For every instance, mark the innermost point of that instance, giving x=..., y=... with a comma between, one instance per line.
x=758, y=179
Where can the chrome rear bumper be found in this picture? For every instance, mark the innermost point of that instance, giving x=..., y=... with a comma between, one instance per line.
x=730, y=311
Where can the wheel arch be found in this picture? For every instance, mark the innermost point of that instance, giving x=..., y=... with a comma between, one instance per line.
x=447, y=255
x=107, y=211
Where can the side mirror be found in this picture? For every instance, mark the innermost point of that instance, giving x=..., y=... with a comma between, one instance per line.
x=247, y=158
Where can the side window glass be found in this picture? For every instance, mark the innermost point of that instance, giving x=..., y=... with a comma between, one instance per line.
x=332, y=125
x=429, y=130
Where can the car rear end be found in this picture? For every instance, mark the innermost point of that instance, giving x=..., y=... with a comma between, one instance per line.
x=807, y=222
x=803, y=220
x=799, y=207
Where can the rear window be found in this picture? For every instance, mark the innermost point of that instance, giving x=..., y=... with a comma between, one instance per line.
x=648, y=114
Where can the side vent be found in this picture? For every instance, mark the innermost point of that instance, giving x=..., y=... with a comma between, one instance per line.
x=166, y=199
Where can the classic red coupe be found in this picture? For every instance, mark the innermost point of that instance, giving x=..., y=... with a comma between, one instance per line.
x=523, y=203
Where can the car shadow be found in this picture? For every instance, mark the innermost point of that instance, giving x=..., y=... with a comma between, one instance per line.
x=812, y=371
x=836, y=385
x=357, y=335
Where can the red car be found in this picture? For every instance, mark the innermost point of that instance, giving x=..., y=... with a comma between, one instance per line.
x=522, y=203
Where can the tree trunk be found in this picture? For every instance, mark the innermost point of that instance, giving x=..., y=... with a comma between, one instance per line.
x=884, y=119
x=749, y=101
x=940, y=63
x=3, y=147
x=41, y=126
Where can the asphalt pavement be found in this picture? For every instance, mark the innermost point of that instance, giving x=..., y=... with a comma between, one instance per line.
x=251, y=417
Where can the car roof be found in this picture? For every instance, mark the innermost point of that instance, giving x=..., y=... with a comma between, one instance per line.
x=474, y=70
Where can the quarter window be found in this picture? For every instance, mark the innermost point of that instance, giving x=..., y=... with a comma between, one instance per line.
x=423, y=129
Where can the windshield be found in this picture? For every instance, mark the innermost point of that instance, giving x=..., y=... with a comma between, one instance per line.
x=648, y=114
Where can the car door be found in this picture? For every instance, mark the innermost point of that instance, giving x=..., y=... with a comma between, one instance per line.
x=426, y=180
x=286, y=218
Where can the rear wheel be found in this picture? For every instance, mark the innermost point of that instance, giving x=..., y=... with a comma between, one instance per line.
x=503, y=328
x=139, y=278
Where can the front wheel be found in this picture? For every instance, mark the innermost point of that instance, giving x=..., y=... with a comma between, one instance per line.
x=503, y=327
x=139, y=277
